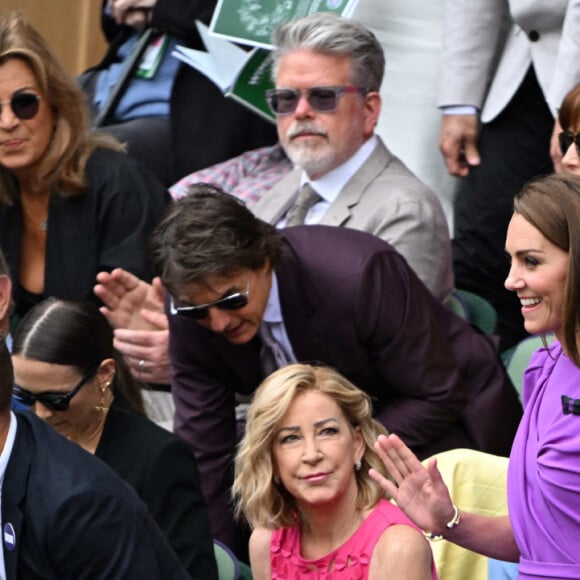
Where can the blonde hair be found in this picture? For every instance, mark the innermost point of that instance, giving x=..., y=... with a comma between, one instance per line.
x=267, y=505
x=62, y=167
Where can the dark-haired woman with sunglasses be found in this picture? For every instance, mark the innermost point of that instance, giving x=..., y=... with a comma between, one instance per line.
x=71, y=203
x=67, y=369
x=569, y=138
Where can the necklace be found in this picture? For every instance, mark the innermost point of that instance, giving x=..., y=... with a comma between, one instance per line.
x=36, y=221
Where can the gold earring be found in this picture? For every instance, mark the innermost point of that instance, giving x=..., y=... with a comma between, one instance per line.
x=101, y=408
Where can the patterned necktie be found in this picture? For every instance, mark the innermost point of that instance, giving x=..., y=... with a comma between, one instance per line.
x=272, y=355
x=306, y=198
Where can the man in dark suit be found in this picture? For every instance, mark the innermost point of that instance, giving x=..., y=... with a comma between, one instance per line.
x=333, y=295
x=65, y=515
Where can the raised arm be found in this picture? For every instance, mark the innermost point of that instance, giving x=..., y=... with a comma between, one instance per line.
x=135, y=309
x=422, y=494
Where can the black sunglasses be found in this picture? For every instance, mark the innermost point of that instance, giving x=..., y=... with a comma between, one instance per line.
x=231, y=302
x=321, y=99
x=566, y=138
x=51, y=399
x=23, y=105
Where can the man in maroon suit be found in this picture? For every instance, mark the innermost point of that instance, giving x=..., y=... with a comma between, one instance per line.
x=337, y=296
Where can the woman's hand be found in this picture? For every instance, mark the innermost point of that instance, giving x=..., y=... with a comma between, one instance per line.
x=418, y=490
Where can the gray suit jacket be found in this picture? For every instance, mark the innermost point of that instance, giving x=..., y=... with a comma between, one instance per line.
x=386, y=199
x=543, y=33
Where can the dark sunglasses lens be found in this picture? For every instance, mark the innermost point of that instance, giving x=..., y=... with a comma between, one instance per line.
x=565, y=139
x=197, y=314
x=24, y=105
x=233, y=302
x=54, y=402
x=23, y=397
x=322, y=99
x=283, y=101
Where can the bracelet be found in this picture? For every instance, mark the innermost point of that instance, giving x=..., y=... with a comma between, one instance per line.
x=452, y=523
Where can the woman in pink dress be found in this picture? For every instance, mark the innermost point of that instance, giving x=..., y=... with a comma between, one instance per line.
x=543, y=526
x=302, y=481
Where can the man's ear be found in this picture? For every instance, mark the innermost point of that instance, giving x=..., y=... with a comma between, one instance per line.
x=373, y=105
x=5, y=297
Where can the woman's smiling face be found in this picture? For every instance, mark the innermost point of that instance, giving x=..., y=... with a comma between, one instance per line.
x=538, y=273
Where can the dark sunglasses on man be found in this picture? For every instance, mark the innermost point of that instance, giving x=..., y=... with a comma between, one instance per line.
x=52, y=399
x=566, y=138
x=23, y=105
x=321, y=99
x=233, y=301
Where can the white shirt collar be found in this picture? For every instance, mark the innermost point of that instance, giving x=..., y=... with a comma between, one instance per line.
x=8, y=445
x=330, y=184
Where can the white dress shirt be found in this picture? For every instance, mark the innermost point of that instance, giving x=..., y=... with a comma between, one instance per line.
x=330, y=184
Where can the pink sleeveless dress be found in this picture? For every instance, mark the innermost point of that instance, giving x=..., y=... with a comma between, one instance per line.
x=350, y=561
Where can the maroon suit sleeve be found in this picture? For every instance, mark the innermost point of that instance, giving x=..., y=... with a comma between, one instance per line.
x=419, y=388
x=204, y=417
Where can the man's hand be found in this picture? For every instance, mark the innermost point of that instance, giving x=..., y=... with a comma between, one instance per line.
x=134, y=13
x=555, y=152
x=146, y=351
x=458, y=143
x=125, y=297
x=135, y=309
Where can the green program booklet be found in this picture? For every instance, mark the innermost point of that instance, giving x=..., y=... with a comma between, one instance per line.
x=239, y=74
x=253, y=21
x=246, y=75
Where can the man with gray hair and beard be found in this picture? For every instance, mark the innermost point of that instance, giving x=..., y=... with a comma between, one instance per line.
x=328, y=72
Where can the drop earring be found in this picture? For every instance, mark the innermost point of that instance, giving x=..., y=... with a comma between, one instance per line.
x=357, y=465
x=101, y=408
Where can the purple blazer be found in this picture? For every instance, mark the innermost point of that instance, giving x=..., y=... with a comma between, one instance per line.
x=350, y=301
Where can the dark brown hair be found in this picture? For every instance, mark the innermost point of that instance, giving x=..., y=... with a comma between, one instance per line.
x=75, y=333
x=211, y=233
x=552, y=205
x=569, y=114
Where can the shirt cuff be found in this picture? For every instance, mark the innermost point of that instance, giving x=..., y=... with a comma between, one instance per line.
x=459, y=110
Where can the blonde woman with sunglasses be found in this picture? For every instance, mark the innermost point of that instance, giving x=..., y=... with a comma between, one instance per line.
x=71, y=203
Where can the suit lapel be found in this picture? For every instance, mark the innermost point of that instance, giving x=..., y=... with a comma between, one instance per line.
x=343, y=206
x=276, y=202
x=299, y=305
x=13, y=496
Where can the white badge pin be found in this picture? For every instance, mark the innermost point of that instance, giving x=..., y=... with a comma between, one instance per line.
x=9, y=537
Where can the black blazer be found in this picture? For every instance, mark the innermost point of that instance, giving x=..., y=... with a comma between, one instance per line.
x=162, y=469
x=72, y=518
x=106, y=227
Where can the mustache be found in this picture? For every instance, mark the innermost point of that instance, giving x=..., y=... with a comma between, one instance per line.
x=300, y=127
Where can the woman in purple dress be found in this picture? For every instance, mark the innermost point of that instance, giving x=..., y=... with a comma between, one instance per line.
x=543, y=526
